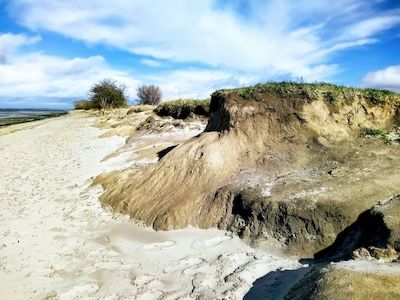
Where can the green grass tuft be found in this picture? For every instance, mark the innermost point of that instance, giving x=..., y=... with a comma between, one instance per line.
x=183, y=108
x=331, y=93
x=246, y=93
x=378, y=133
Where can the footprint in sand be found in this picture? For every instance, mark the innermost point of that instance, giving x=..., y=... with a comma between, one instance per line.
x=80, y=291
x=149, y=294
x=57, y=229
x=172, y=295
x=159, y=246
x=215, y=241
x=142, y=280
x=185, y=264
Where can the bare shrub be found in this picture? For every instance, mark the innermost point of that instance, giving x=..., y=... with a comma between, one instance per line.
x=149, y=94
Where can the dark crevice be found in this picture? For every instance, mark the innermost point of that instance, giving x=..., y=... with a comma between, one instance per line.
x=241, y=209
x=219, y=117
x=165, y=151
x=368, y=231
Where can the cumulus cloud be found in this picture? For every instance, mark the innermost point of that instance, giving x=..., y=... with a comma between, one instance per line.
x=388, y=78
x=32, y=75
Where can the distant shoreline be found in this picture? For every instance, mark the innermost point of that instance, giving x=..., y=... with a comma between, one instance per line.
x=27, y=115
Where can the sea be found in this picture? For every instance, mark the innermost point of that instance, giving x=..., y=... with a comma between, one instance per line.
x=16, y=116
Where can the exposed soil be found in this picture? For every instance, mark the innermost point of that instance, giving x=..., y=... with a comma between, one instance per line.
x=289, y=168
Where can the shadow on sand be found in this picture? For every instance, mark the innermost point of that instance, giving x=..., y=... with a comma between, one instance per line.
x=276, y=284
x=368, y=230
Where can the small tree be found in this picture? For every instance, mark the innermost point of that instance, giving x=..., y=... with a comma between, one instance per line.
x=149, y=94
x=108, y=94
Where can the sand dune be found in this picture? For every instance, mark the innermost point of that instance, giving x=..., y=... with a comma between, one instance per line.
x=57, y=242
x=287, y=161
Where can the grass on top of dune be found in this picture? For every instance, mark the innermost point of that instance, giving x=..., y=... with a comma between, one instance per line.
x=330, y=92
x=183, y=108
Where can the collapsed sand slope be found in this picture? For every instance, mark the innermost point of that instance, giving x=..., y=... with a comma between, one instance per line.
x=362, y=280
x=373, y=271
x=274, y=161
x=57, y=241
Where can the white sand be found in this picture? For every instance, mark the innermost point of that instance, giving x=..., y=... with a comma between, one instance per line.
x=369, y=266
x=57, y=241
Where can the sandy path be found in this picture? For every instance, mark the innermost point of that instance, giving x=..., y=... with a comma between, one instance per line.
x=57, y=242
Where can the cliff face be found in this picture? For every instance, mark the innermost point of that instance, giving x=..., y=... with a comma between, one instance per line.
x=300, y=112
x=275, y=161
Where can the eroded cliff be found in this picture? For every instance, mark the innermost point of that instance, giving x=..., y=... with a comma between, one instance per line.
x=277, y=161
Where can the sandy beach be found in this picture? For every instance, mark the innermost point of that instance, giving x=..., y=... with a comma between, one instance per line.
x=161, y=150
x=57, y=242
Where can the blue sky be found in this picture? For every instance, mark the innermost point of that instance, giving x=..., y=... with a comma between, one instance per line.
x=51, y=52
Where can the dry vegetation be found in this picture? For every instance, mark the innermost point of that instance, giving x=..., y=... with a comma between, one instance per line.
x=140, y=108
x=341, y=284
x=311, y=91
x=183, y=108
x=84, y=104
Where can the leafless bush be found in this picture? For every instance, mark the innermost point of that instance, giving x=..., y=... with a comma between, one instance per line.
x=149, y=94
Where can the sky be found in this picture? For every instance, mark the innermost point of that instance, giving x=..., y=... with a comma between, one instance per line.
x=53, y=51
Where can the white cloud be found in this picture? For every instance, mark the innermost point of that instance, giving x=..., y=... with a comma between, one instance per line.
x=9, y=43
x=35, y=74
x=273, y=39
x=372, y=26
x=151, y=63
x=388, y=78
x=45, y=78
x=196, y=83
x=270, y=39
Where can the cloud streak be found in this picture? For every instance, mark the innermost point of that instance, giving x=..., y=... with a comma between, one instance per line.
x=275, y=37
